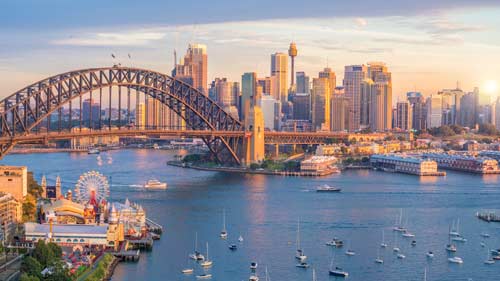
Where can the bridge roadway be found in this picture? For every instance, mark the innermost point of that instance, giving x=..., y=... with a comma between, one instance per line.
x=270, y=137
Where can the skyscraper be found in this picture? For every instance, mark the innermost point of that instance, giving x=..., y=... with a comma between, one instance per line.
x=248, y=93
x=332, y=78
x=271, y=110
x=267, y=84
x=279, y=62
x=468, y=110
x=339, y=109
x=292, y=52
x=418, y=110
x=434, y=111
x=321, y=104
x=353, y=76
x=90, y=110
x=302, y=83
x=403, y=115
x=381, y=106
x=451, y=105
x=302, y=106
x=193, y=68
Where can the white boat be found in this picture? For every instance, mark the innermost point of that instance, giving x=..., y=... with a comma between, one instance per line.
x=207, y=262
x=459, y=239
x=299, y=254
x=155, y=184
x=350, y=252
x=485, y=235
x=335, y=242
x=425, y=274
x=379, y=258
x=408, y=234
x=489, y=259
x=187, y=271
x=196, y=255
x=327, y=188
x=401, y=256
x=337, y=271
x=398, y=225
x=430, y=254
x=455, y=229
x=396, y=248
x=253, y=265
x=223, y=233
x=204, y=276
x=451, y=248
x=383, y=244
x=456, y=260
x=240, y=239
x=93, y=150
x=482, y=244
x=302, y=264
x=253, y=278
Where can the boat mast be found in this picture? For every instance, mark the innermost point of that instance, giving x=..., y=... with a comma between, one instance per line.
x=298, y=234
x=207, y=252
x=224, y=220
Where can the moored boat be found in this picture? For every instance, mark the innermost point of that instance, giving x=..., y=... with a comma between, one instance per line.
x=327, y=188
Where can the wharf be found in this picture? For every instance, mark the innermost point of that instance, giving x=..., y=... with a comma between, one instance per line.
x=488, y=217
x=127, y=255
x=154, y=227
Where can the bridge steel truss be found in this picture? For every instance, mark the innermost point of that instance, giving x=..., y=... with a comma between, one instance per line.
x=22, y=111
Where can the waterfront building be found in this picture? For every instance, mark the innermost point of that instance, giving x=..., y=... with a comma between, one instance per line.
x=321, y=104
x=271, y=109
x=131, y=216
x=402, y=163
x=63, y=211
x=339, y=113
x=466, y=163
x=301, y=106
x=14, y=180
x=279, y=63
x=434, y=111
x=330, y=149
x=302, y=83
x=193, y=68
x=404, y=115
x=418, y=110
x=353, y=76
x=318, y=163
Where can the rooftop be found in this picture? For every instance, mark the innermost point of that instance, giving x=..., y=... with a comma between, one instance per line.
x=36, y=228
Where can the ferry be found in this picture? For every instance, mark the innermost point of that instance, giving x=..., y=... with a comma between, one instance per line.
x=327, y=188
x=155, y=184
x=93, y=150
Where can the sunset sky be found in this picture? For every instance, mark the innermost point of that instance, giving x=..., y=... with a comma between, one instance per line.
x=428, y=45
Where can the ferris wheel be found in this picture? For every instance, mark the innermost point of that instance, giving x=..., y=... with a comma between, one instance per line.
x=91, y=187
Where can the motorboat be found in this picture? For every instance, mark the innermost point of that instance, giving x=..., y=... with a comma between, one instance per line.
x=489, y=259
x=459, y=239
x=350, y=252
x=197, y=256
x=401, y=256
x=204, y=276
x=430, y=254
x=327, y=188
x=408, y=234
x=456, y=260
x=233, y=247
x=155, y=184
x=187, y=271
x=302, y=264
x=379, y=260
x=396, y=249
x=339, y=272
x=482, y=244
x=253, y=278
x=485, y=235
x=93, y=150
x=451, y=248
x=335, y=242
x=253, y=265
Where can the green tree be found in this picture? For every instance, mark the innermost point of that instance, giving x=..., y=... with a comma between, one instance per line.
x=26, y=277
x=254, y=166
x=55, y=249
x=33, y=187
x=488, y=129
x=59, y=273
x=31, y=267
x=29, y=208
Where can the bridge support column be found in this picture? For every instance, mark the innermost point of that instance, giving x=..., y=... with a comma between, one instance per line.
x=276, y=151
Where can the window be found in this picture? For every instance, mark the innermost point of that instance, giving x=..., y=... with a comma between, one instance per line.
x=82, y=240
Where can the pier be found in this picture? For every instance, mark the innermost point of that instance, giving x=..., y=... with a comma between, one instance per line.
x=154, y=227
x=488, y=217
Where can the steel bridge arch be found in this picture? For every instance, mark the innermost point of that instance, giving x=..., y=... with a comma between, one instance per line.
x=26, y=108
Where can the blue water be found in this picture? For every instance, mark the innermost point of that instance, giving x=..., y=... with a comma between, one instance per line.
x=265, y=209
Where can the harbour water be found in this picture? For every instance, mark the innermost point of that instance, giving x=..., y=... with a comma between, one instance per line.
x=265, y=209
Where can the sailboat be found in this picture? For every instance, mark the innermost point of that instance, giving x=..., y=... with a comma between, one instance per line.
x=398, y=226
x=207, y=262
x=299, y=254
x=349, y=251
x=267, y=275
x=379, y=259
x=240, y=239
x=223, y=233
x=489, y=259
x=187, y=270
x=425, y=274
x=450, y=247
x=396, y=248
x=455, y=230
x=383, y=244
x=337, y=271
x=196, y=255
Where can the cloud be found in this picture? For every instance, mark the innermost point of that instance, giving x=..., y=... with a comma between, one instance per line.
x=132, y=38
x=361, y=22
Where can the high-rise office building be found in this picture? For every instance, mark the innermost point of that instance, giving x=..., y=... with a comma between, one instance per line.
x=404, y=115
x=248, y=93
x=365, y=102
x=90, y=110
x=267, y=84
x=302, y=106
x=271, y=109
x=321, y=104
x=279, y=62
x=468, y=110
x=353, y=76
x=418, y=110
x=451, y=105
x=156, y=113
x=434, y=111
x=332, y=78
x=339, y=109
x=302, y=83
x=381, y=106
x=193, y=68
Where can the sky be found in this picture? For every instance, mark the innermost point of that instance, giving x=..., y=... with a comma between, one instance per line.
x=428, y=45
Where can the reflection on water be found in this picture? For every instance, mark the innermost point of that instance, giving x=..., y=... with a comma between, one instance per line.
x=264, y=210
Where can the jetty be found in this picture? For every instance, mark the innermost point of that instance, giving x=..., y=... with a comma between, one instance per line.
x=488, y=216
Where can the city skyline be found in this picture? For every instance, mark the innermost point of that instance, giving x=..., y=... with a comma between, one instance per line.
x=450, y=43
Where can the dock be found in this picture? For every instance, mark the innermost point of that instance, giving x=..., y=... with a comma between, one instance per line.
x=154, y=227
x=488, y=217
x=127, y=255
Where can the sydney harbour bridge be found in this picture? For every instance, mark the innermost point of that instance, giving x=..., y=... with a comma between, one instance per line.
x=23, y=113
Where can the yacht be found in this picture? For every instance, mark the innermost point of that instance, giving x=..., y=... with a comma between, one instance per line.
x=302, y=264
x=383, y=244
x=299, y=254
x=398, y=226
x=482, y=244
x=204, y=276
x=451, y=248
x=253, y=265
x=233, y=247
x=93, y=150
x=414, y=243
x=155, y=184
x=456, y=260
x=223, y=233
x=430, y=254
x=327, y=188
x=207, y=262
x=187, y=271
x=335, y=242
x=337, y=271
x=485, y=235
x=459, y=239
x=196, y=255
x=401, y=256
x=240, y=239
x=408, y=234
x=489, y=259
x=379, y=259
x=253, y=278
x=350, y=252
x=455, y=229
